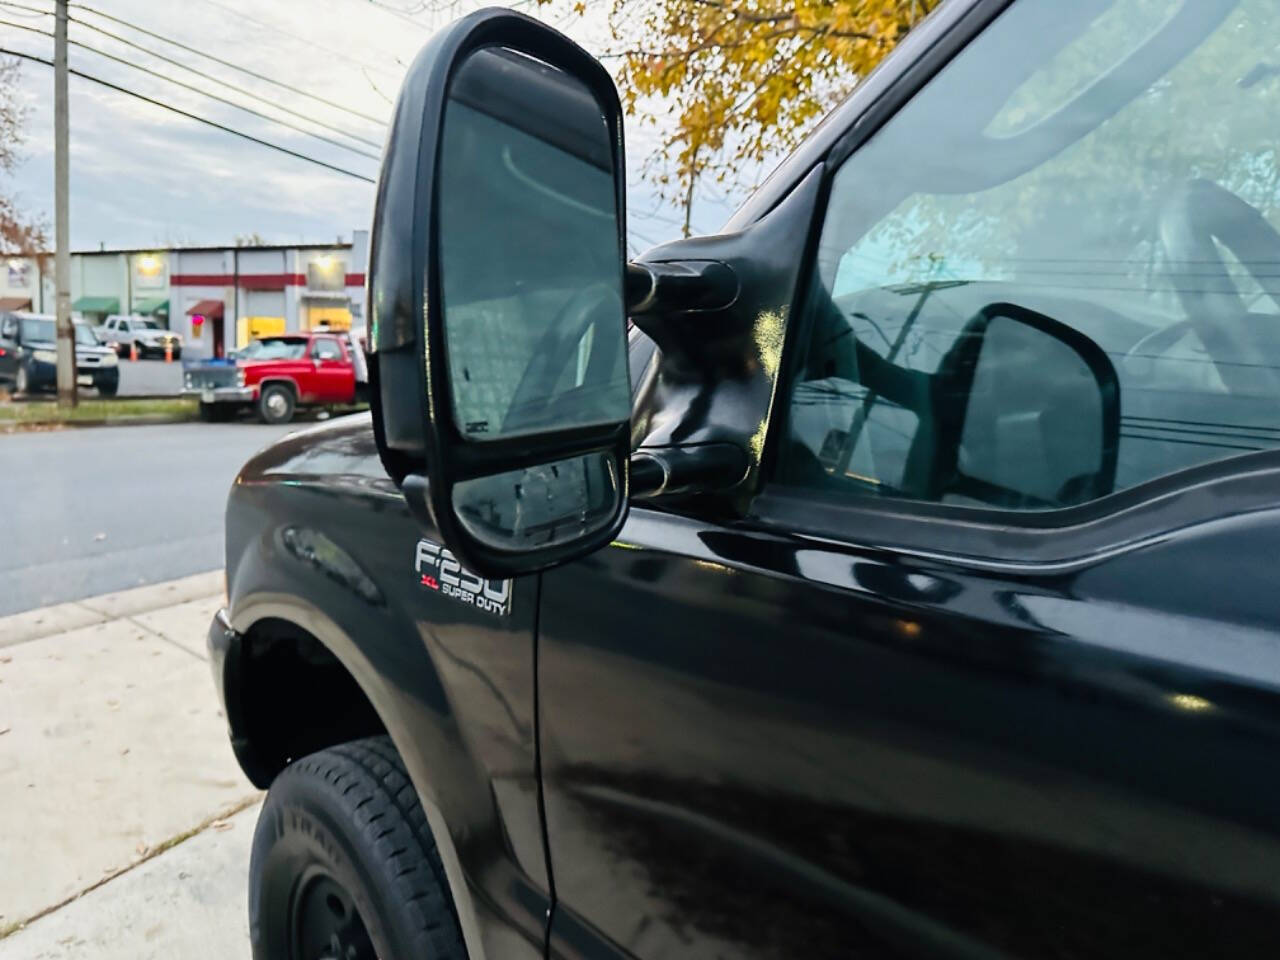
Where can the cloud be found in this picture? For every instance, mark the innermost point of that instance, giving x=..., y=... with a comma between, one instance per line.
x=141, y=175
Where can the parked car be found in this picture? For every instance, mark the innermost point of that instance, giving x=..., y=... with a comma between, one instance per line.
x=29, y=358
x=274, y=376
x=903, y=587
x=142, y=335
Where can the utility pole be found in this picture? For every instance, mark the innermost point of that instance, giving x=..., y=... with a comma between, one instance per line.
x=62, y=213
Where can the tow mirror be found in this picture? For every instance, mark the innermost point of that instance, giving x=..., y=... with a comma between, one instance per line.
x=498, y=343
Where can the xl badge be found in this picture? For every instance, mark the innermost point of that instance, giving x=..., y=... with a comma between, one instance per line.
x=439, y=570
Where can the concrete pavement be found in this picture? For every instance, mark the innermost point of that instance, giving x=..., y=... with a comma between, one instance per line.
x=122, y=833
x=187, y=904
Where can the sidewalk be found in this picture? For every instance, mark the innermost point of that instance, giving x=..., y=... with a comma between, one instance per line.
x=118, y=779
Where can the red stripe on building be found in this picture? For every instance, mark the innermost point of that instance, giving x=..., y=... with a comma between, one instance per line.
x=252, y=281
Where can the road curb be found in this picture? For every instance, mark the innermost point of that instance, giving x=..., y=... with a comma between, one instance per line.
x=44, y=622
x=23, y=426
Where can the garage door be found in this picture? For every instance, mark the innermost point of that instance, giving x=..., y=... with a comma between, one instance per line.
x=264, y=303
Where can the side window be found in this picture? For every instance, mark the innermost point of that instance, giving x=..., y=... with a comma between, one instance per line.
x=326, y=348
x=8, y=328
x=1019, y=301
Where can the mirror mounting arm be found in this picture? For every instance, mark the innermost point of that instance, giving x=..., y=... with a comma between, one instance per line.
x=705, y=468
x=679, y=286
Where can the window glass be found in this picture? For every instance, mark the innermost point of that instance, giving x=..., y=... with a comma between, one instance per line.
x=326, y=349
x=275, y=348
x=1055, y=272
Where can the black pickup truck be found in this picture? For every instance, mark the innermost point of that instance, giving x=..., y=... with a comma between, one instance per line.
x=902, y=585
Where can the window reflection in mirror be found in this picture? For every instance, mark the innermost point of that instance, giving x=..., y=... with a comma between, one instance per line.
x=530, y=252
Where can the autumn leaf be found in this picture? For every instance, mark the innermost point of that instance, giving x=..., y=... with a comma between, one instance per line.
x=743, y=81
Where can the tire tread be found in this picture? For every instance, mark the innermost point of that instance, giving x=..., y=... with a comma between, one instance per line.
x=369, y=777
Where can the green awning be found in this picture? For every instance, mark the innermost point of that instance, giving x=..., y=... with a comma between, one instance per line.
x=97, y=305
x=154, y=305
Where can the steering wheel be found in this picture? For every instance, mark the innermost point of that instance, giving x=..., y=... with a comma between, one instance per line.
x=535, y=402
x=1196, y=215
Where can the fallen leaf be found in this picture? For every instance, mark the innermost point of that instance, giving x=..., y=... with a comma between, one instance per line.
x=4, y=730
x=124, y=752
x=6, y=659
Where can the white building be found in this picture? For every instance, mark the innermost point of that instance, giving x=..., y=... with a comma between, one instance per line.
x=216, y=297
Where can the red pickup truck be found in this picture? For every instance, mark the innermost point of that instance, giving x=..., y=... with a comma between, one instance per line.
x=276, y=375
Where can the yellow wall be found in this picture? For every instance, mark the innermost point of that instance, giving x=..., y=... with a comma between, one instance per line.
x=337, y=318
x=247, y=328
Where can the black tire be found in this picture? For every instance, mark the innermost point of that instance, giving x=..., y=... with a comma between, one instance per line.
x=342, y=848
x=276, y=403
x=108, y=388
x=209, y=412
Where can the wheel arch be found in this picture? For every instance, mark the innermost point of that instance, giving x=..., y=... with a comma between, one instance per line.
x=268, y=611
x=281, y=380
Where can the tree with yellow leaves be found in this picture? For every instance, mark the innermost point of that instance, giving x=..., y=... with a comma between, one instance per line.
x=745, y=79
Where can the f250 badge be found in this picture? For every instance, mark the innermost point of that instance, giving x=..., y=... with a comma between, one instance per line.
x=439, y=570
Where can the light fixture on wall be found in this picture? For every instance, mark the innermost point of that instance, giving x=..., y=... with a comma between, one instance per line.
x=324, y=261
x=148, y=264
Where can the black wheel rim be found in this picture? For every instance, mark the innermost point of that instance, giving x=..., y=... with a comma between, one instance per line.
x=326, y=924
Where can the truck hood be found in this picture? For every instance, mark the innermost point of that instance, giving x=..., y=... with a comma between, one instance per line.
x=82, y=349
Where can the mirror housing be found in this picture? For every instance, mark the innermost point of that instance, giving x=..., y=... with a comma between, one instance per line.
x=498, y=373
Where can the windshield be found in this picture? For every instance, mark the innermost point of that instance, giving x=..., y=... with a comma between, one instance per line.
x=274, y=348
x=144, y=325
x=36, y=329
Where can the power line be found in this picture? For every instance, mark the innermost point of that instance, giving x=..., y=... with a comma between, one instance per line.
x=195, y=89
x=228, y=63
x=208, y=76
x=196, y=117
x=303, y=40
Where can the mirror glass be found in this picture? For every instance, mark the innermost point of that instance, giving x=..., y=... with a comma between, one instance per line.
x=1035, y=422
x=540, y=506
x=530, y=258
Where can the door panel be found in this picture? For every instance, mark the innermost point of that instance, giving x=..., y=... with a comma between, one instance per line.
x=762, y=746
x=8, y=348
x=330, y=380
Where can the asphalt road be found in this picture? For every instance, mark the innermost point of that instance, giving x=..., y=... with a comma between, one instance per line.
x=94, y=510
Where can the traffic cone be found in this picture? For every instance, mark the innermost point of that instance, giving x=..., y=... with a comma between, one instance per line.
x=168, y=351
x=133, y=352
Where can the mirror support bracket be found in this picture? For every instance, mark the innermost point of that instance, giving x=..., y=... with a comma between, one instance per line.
x=704, y=468
x=679, y=286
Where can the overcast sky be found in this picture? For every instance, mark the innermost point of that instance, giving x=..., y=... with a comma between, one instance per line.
x=142, y=176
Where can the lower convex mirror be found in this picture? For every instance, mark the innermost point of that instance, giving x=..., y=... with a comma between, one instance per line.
x=547, y=505
x=503, y=398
